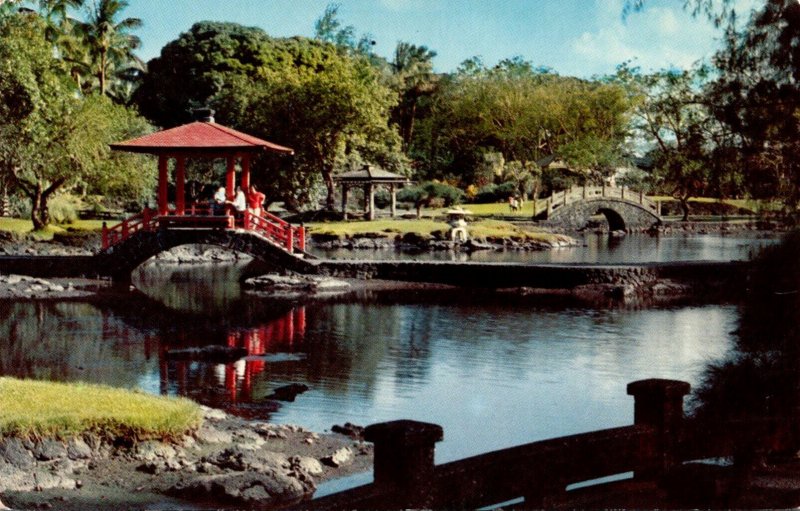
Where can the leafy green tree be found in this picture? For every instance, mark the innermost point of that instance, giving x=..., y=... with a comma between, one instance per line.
x=53, y=138
x=757, y=97
x=672, y=116
x=425, y=194
x=522, y=112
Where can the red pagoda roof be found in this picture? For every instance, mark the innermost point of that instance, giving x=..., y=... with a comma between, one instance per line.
x=198, y=136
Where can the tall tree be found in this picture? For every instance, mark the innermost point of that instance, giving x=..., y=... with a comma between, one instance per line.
x=412, y=68
x=757, y=95
x=672, y=116
x=110, y=41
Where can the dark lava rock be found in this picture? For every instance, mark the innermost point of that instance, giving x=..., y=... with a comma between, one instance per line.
x=13, y=452
x=288, y=392
x=348, y=429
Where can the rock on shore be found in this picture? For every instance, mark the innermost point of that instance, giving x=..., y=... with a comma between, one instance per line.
x=295, y=285
x=228, y=460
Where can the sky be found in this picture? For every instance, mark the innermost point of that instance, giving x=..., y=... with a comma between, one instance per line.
x=574, y=37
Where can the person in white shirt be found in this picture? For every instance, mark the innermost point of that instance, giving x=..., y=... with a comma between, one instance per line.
x=218, y=202
x=239, y=201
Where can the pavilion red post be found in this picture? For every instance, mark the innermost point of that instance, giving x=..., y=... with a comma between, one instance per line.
x=246, y=173
x=180, y=181
x=230, y=179
x=162, y=185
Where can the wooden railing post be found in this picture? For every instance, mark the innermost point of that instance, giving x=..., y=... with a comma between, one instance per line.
x=125, y=229
x=105, y=236
x=301, y=238
x=404, y=460
x=289, y=239
x=659, y=404
x=246, y=219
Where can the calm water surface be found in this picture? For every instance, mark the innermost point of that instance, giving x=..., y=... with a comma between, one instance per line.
x=598, y=248
x=494, y=371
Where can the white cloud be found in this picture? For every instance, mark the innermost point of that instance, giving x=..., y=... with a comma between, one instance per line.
x=655, y=38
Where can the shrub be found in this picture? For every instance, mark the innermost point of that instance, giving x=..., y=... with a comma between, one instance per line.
x=63, y=208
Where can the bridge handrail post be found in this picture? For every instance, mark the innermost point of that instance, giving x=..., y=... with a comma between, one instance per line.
x=125, y=228
x=404, y=459
x=641, y=197
x=105, y=236
x=622, y=193
x=603, y=193
x=289, y=240
x=301, y=238
x=246, y=219
x=658, y=404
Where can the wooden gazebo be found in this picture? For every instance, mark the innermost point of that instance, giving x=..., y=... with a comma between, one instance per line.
x=203, y=139
x=370, y=176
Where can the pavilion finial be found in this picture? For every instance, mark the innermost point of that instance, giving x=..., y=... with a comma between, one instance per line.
x=204, y=114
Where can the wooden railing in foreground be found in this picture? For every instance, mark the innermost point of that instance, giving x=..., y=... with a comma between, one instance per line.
x=578, y=193
x=405, y=475
x=273, y=228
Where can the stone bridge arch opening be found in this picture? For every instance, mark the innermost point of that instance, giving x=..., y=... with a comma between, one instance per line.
x=614, y=219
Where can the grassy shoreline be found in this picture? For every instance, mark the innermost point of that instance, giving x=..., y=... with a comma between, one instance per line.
x=39, y=409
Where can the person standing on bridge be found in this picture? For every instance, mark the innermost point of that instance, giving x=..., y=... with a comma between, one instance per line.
x=255, y=201
x=218, y=202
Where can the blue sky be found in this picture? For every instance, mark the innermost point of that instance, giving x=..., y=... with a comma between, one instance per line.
x=574, y=37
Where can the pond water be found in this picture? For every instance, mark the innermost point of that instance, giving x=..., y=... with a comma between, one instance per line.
x=493, y=370
x=598, y=248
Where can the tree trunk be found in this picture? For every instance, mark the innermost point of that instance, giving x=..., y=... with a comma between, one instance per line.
x=102, y=74
x=327, y=176
x=419, y=210
x=40, y=215
x=685, y=208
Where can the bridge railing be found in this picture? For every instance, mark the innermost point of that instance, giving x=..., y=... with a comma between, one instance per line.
x=578, y=193
x=660, y=439
x=272, y=227
x=146, y=220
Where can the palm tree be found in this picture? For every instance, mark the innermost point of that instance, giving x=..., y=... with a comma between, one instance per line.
x=413, y=71
x=110, y=42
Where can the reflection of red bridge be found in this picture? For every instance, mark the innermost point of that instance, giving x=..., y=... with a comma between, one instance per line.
x=283, y=334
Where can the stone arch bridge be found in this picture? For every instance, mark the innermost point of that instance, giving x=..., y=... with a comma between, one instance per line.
x=624, y=209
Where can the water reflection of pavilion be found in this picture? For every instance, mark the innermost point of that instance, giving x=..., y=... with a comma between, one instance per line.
x=227, y=384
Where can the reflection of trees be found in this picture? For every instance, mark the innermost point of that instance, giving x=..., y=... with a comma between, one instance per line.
x=70, y=341
x=761, y=378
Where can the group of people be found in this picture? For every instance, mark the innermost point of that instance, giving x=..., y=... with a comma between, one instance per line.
x=514, y=203
x=253, y=201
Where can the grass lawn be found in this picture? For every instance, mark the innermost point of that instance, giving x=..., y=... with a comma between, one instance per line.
x=481, y=228
x=30, y=408
x=753, y=205
x=25, y=226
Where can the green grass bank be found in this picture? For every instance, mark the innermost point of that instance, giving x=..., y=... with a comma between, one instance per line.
x=39, y=409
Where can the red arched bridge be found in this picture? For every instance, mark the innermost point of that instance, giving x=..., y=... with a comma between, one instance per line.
x=266, y=237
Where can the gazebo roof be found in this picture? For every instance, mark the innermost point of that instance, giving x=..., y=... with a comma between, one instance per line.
x=199, y=136
x=370, y=174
